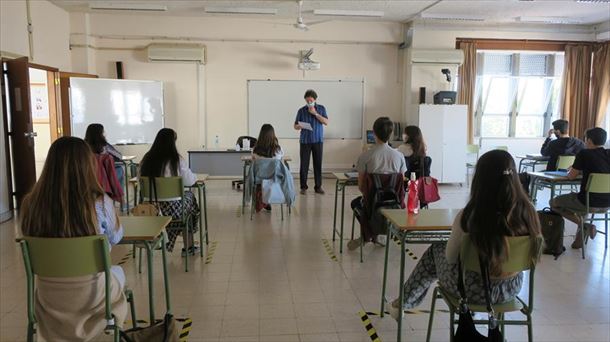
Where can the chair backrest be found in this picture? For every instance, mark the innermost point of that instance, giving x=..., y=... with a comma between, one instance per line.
x=472, y=149
x=414, y=165
x=502, y=148
x=256, y=164
x=168, y=188
x=598, y=183
x=564, y=162
x=240, y=140
x=520, y=249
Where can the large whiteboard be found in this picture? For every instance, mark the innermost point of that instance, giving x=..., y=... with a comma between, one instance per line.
x=131, y=111
x=277, y=103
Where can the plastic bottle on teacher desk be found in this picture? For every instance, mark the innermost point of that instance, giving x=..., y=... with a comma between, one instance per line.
x=412, y=198
x=216, y=142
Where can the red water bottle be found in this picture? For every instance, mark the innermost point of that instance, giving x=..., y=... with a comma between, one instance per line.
x=413, y=198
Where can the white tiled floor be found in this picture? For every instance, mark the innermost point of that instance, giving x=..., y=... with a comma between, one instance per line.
x=274, y=281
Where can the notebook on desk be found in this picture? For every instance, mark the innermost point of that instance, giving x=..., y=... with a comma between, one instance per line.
x=351, y=174
x=559, y=173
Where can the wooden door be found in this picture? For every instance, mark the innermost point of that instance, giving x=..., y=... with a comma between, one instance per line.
x=64, y=90
x=20, y=126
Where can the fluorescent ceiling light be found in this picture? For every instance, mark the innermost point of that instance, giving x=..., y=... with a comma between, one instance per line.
x=128, y=7
x=594, y=1
x=464, y=17
x=241, y=10
x=348, y=13
x=550, y=20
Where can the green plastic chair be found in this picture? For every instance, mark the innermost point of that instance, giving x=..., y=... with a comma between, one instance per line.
x=170, y=188
x=598, y=183
x=564, y=163
x=523, y=255
x=471, y=149
x=69, y=257
x=502, y=148
x=253, y=169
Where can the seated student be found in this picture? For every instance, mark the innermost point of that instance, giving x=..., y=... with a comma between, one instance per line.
x=594, y=159
x=67, y=201
x=414, y=150
x=163, y=160
x=267, y=146
x=563, y=145
x=96, y=138
x=498, y=208
x=380, y=159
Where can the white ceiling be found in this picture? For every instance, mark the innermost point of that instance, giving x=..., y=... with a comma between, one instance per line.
x=493, y=11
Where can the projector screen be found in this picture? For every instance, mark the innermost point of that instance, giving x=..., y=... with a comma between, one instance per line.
x=131, y=111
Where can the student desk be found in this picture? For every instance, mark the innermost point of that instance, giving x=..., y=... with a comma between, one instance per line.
x=429, y=226
x=342, y=182
x=541, y=179
x=126, y=162
x=531, y=161
x=247, y=161
x=149, y=230
x=226, y=163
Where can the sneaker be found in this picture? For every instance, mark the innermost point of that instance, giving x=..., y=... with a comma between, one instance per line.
x=381, y=240
x=268, y=207
x=320, y=191
x=303, y=191
x=590, y=230
x=192, y=250
x=394, y=309
x=353, y=244
x=577, y=244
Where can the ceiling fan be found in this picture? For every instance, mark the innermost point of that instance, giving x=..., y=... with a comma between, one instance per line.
x=300, y=24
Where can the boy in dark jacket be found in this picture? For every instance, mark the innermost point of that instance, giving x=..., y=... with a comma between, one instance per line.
x=564, y=145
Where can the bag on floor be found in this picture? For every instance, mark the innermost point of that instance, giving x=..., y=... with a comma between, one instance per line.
x=163, y=331
x=553, y=227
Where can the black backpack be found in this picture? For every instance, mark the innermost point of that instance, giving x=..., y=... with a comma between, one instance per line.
x=553, y=228
x=383, y=196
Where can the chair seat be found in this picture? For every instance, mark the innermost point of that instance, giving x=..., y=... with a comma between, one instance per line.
x=598, y=210
x=453, y=301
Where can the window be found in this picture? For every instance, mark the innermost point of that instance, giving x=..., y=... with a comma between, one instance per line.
x=517, y=93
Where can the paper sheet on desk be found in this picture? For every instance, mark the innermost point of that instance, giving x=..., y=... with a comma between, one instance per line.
x=305, y=125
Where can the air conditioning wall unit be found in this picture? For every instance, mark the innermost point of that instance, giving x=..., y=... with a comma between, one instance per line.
x=176, y=53
x=445, y=56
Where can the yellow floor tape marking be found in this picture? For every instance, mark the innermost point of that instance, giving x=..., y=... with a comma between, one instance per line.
x=370, y=330
x=329, y=250
x=409, y=252
x=184, y=332
x=211, y=250
x=126, y=258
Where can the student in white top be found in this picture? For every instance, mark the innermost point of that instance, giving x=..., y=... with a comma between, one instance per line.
x=498, y=208
x=163, y=160
x=267, y=146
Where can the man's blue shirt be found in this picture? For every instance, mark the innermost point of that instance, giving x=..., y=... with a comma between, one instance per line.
x=317, y=135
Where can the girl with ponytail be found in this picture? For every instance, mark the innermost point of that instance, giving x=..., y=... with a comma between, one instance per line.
x=497, y=209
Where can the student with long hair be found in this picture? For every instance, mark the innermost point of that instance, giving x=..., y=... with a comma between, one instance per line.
x=414, y=150
x=498, y=208
x=267, y=146
x=163, y=160
x=109, y=174
x=67, y=201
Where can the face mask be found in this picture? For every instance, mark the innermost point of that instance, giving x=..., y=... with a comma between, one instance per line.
x=404, y=137
x=311, y=104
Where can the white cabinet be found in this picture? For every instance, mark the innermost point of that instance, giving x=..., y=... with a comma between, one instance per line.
x=445, y=130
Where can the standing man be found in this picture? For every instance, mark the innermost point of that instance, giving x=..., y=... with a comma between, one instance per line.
x=312, y=139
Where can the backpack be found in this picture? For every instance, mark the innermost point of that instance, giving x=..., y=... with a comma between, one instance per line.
x=553, y=228
x=383, y=196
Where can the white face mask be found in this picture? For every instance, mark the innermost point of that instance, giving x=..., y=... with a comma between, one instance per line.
x=404, y=137
x=311, y=104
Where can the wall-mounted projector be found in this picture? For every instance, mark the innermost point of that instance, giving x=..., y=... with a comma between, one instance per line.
x=305, y=63
x=311, y=65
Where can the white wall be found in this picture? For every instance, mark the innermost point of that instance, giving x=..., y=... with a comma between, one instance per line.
x=345, y=50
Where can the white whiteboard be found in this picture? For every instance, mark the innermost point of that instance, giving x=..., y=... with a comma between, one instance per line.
x=277, y=103
x=131, y=111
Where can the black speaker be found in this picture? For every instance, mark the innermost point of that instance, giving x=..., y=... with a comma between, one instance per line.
x=119, y=70
x=422, y=94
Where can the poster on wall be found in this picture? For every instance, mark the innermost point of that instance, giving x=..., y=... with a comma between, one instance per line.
x=39, y=98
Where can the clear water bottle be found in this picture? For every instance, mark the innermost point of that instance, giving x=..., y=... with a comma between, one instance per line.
x=216, y=142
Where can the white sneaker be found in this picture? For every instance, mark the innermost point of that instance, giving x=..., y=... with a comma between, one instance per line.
x=394, y=309
x=354, y=244
x=382, y=240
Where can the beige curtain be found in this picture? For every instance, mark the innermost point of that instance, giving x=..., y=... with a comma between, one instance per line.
x=600, y=83
x=468, y=74
x=576, y=81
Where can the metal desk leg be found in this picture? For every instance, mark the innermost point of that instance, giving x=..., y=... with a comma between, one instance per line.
x=342, y=218
x=243, y=195
x=335, y=214
x=401, y=294
x=205, y=214
x=534, y=189
x=168, y=304
x=151, y=290
x=552, y=192
x=126, y=182
x=385, y=270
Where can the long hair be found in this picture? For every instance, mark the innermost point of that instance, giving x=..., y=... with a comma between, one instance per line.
x=416, y=140
x=498, y=208
x=62, y=202
x=95, y=137
x=267, y=144
x=162, y=152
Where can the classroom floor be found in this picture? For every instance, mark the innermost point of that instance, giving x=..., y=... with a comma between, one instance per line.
x=269, y=280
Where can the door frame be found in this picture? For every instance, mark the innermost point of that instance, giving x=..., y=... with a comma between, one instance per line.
x=64, y=94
